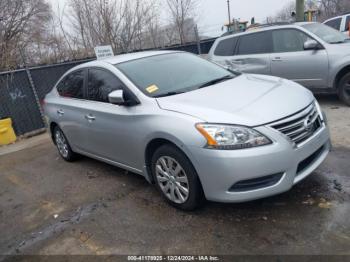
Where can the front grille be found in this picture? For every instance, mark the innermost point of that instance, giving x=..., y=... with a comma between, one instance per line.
x=256, y=183
x=301, y=126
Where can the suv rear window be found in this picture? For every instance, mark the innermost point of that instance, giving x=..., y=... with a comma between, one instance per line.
x=335, y=23
x=226, y=47
x=256, y=43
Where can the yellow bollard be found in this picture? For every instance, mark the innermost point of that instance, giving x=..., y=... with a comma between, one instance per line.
x=7, y=135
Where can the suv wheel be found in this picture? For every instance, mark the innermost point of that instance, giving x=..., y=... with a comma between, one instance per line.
x=176, y=178
x=344, y=89
x=63, y=146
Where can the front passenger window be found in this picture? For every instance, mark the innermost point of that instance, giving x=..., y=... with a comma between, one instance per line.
x=289, y=40
x=101, y=83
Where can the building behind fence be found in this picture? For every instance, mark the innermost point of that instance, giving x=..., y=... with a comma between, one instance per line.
x=21, y=90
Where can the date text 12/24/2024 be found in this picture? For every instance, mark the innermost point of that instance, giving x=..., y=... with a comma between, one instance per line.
x=173, y=258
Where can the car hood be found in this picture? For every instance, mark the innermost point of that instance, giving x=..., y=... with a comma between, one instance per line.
x=249, y=100
x=339, y=49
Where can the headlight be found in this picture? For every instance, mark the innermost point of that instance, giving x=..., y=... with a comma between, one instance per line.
x=229, y=137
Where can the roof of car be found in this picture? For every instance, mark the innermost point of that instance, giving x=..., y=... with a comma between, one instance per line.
x=132, y=56
x=266, y=27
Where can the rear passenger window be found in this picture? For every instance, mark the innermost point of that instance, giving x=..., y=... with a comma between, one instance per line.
x=72, y=85
x=226, y=47
x=256, y=43
x=288, y=40
x=101, y=83
x=335, y=23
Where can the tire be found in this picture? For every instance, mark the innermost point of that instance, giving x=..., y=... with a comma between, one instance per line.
x=344, y=89
x=173, y=174
x=63, y=146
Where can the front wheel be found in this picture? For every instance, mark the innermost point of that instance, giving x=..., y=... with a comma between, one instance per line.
x=176, y=178
x=344, y=89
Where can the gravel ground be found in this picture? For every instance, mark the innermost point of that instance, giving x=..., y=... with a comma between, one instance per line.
x=48, y=206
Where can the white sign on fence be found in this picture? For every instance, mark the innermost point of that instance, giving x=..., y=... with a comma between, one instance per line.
x=103, y=51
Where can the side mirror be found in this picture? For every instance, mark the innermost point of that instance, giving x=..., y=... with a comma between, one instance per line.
x=116, y=97
x=311, y=45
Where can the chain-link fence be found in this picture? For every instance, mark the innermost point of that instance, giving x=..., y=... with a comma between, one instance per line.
x=21, y=90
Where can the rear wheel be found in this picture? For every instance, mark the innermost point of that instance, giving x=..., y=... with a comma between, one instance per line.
x=344, y=89
x=176, y=178
x=63, y=146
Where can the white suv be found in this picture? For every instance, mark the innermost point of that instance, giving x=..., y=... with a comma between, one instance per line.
x=311, y=54
x=340, y=23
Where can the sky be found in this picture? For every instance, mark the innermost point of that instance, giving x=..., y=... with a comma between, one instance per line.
x=212, y=14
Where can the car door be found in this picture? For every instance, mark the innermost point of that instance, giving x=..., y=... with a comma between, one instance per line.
x=289, y=59
x=252, y=54
x=70, y=110
x=108, y=125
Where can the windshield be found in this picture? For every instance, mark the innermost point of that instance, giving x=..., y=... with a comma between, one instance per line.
x=326, y=33
x=171, y=74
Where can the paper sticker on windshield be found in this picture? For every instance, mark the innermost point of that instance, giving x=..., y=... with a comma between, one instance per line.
x=152, y=89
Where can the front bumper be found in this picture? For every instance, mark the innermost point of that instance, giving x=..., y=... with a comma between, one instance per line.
x=219, y=170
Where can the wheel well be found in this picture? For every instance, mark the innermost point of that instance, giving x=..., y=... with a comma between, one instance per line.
x=340, y=74
x=151, y=148
x=52, y=127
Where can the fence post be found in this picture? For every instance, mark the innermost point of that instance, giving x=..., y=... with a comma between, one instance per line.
x=197, y=40
x=32, y=85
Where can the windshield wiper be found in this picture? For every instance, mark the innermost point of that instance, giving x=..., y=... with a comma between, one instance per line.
x=169, y=94
x=215, y=81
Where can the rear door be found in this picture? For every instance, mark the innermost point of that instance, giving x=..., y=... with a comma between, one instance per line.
x=289, y=59
x=70, y=110
x=252, y=53
x=224, y=51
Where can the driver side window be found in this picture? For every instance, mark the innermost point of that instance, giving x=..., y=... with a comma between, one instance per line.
x=101, y=83
x=289, y=40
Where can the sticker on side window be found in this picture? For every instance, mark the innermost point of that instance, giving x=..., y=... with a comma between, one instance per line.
x=151, y=89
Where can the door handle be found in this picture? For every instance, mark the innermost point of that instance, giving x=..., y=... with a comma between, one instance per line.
x=90, y=117
x=60, y=112
x=238, y=61
x=277, y=59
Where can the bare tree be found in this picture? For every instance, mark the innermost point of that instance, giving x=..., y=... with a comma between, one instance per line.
x=327, y=9
x=180, y=11
x=121, y=23
x=330, y=8
x=23, y=25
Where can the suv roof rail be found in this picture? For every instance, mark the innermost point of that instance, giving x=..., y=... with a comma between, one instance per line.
x=269, y=24
x=255, y=26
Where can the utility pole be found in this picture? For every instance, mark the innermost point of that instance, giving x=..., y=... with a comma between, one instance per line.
x=229, y=14
x=197, y=40
x=300, y=10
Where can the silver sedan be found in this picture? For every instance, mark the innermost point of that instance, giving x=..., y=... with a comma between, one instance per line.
x=194, y=129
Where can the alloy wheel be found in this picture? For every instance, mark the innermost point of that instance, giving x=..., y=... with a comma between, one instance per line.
x=172, y=179
x=61, y=143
